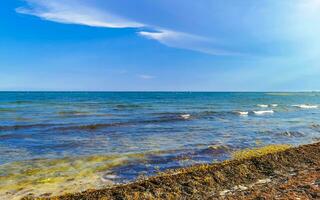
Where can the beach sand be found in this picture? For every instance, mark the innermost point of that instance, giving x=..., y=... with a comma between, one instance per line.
x=292, y=173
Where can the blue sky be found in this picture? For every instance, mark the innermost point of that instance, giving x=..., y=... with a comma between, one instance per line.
x=203, y=45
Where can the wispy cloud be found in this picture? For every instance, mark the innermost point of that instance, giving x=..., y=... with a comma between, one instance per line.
x=73, y=12
x=82, y=13
x=185, y=41
x=146, y=76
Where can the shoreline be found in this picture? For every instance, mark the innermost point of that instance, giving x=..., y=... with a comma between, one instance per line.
x=260, y=176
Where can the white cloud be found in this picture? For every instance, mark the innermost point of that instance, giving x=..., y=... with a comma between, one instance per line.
x=87, y=13
x=185, y=41
x=73, y=12
x=146, y=76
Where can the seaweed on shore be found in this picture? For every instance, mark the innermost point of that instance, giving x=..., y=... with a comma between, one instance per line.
x=258, y=152
x=211, y=181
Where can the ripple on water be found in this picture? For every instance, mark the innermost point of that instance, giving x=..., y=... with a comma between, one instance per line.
x=8, y=110
x=69, y=113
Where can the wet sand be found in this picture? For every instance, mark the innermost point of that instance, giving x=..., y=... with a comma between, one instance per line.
x=292, y=173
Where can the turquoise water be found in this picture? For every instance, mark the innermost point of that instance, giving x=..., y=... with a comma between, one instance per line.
x=169, y=129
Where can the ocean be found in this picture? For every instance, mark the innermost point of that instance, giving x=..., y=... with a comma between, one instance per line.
x=54, y=142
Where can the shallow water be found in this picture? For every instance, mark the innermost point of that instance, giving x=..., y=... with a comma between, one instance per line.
x=66, y=142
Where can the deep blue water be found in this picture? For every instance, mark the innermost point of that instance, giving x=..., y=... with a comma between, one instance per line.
x=170, y=125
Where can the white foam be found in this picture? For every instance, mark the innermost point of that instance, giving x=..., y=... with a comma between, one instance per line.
x=185, y=116
x=305, y=106
x=263, y=105
x=262, y=112
x=274, y=105
x=243, y=113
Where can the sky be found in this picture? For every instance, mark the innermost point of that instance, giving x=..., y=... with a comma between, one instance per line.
x=160, y=45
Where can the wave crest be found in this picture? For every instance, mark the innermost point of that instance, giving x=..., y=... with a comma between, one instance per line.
x=263, y=112
x=263, y=105
x=306, y=106
x=243, y=113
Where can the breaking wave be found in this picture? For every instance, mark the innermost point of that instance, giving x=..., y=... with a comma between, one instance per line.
x=306, y=106
x=242, y=113
x=263, y=112
x=263, y=105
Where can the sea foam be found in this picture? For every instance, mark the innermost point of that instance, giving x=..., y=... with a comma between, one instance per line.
x=185, y=116
x=263, y=105
x=262, y=112
x=243, y=113
x=305, y=106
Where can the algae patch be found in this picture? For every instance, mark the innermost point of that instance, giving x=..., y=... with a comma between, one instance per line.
x=261, y=151
x=58, y=176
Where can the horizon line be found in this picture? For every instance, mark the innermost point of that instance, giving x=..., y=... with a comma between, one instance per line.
x=209, y=91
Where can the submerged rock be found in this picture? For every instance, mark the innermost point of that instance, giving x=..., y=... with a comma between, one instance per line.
x=292, y=134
